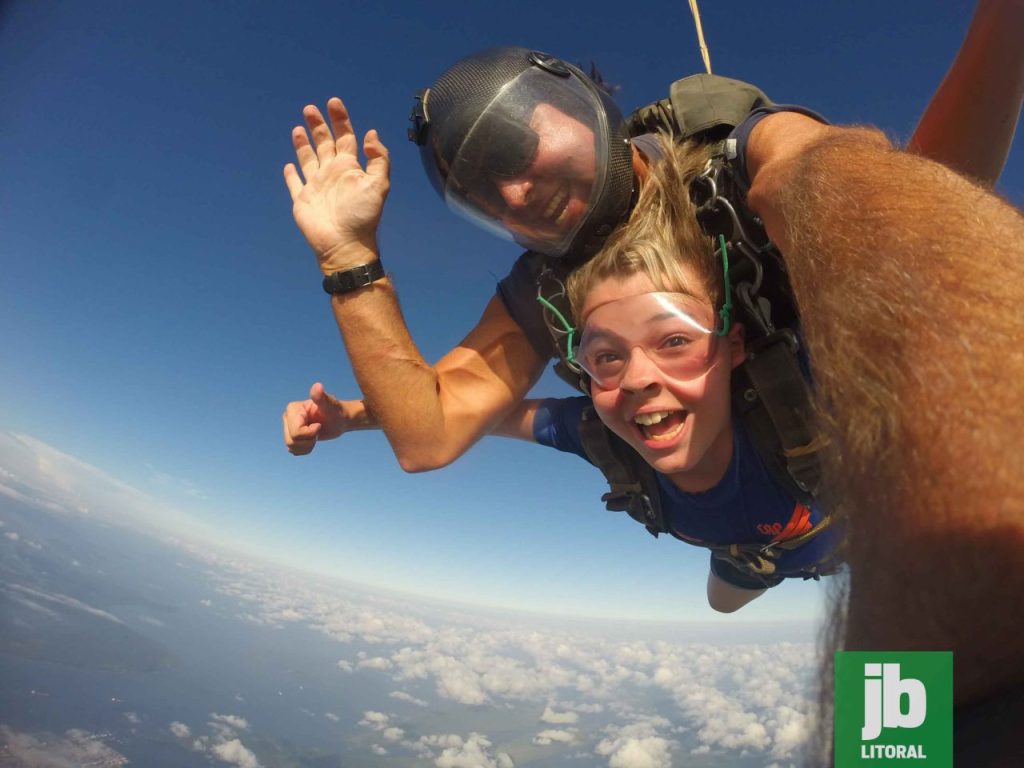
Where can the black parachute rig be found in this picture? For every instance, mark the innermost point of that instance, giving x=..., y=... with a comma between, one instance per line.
x=772, y=389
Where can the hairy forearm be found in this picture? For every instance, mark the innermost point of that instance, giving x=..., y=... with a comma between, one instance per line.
x=909, y=283
x=431, y=414
x=399, y=387
x=970, y=122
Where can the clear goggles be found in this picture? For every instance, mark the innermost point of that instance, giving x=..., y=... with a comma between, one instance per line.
x=500, y=152
x=674, y=331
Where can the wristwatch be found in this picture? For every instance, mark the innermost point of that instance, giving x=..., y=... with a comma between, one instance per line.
x=349, y=280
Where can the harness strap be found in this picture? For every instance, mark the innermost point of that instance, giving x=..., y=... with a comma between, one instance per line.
x=760, y=558
x=633, y=487
x=704, y=105
x=779, y=386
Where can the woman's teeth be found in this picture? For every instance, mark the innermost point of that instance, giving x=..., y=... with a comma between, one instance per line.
x=654, y=417
x=676, y=420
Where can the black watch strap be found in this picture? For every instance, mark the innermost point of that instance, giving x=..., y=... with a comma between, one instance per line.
x=349, y=280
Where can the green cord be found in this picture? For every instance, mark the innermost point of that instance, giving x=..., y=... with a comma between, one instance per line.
x=570, y=357
x=726, y=310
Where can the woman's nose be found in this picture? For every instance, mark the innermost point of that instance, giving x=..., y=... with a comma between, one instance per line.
x=640, y=373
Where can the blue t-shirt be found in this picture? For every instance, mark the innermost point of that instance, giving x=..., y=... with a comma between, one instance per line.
x=745, y=507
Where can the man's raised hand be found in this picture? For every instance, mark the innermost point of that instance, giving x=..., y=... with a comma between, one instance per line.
x=339, y=206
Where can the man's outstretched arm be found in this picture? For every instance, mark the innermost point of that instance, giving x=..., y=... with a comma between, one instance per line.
x=430, y=414
x=910, y=281
x=970, y=122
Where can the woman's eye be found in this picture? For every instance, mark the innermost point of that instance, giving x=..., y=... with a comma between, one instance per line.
x=605, y=358
x=678, y=340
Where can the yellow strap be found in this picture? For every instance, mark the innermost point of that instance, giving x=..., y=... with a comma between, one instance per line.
x=700, y=36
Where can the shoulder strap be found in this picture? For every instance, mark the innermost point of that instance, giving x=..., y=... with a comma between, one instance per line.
x=770, y=391
x=631, y=480
x=704, y=104
x=772, y=396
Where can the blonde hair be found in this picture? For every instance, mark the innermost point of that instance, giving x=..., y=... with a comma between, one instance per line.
x=662, y=238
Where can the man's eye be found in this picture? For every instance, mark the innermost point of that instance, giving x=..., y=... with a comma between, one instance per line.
x=606, y=358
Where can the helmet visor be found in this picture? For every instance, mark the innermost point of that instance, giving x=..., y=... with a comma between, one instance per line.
x=534, y=162
x=674, y=331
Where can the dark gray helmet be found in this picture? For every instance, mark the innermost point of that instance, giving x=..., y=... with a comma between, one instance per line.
x=529, y=147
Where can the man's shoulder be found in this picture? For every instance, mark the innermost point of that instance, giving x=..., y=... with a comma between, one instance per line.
x=535, y=274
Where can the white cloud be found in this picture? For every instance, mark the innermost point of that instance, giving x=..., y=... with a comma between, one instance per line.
x=66, y=601
x=378, y=750
x=180, y=730
x=582, y=708
x=403, y=696
x=552, y=735
x=235, y=753
x=12, y=536
x=392, y=734
x=239, y=723
x=47, y=750
x=792, y=731
x=636, y=746
x=132, y=717
x=730, y=697
x=47, y=478
x=378, y=721
x=472, y=752
x=556, y=718
x=378, y=662
x=207, y=603
x=332, y=717
x=32, y=605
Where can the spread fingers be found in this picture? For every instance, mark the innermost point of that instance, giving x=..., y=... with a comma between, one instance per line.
x=323, y=139
x=304, y=153
x=341, y=122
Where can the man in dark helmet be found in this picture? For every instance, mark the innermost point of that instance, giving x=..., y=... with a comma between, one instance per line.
x=529, y=147
x=558, y=187
x=517, y=141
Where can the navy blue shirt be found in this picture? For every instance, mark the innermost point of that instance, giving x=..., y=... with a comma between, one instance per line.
x=745, y=507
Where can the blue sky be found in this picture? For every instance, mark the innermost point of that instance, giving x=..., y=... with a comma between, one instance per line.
x=159, y=306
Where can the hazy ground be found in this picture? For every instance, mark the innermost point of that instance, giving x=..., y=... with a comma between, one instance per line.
x=118, y=648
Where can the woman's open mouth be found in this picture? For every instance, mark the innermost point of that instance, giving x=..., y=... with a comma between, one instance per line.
x=661, y=426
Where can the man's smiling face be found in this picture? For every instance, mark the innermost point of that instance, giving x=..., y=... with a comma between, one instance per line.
x=549, y=199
